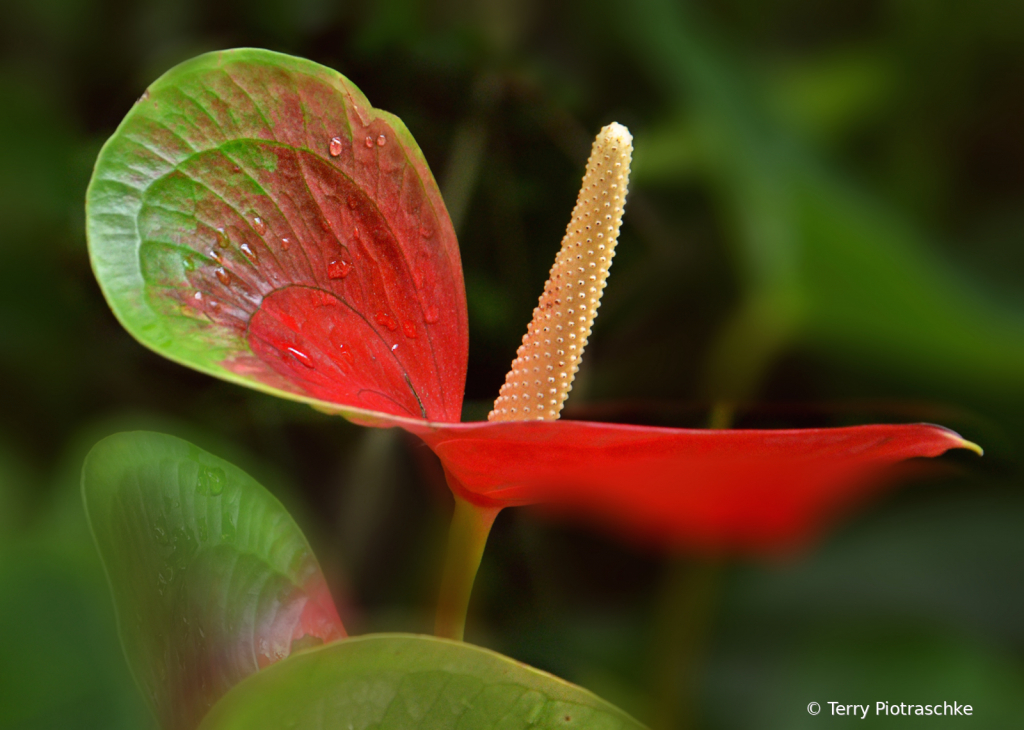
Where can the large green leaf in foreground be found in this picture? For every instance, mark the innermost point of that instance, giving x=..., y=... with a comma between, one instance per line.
x=212, y=579
x=403, y=682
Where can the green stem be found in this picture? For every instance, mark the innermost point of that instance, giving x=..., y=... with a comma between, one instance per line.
x=471, y=524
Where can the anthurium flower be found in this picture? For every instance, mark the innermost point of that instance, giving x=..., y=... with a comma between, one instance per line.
x=255, y=218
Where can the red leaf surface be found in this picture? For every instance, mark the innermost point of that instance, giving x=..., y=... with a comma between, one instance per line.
x=730, y=489
x=256, y=218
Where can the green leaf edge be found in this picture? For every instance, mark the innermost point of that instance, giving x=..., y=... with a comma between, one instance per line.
x=219, y=716
x=217, y=461
x=146, y=327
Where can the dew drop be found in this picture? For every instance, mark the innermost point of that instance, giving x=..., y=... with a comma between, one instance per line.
x=394, y=347
x=335, y=146
x=382, y=140
x=211, y=481
x=409, y=329
x=301, y=357
x=286, y=243
x=347, y=360
x=431, y=315
x=386, y=320
x=338, y=269
x=222, y=275
x=259, y=225
x=222, y=238
x=215, y=255
x=188, y=264
x=369, y=141
x=249, y=253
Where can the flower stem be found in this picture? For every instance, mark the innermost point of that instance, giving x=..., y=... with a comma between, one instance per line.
x=471, y=524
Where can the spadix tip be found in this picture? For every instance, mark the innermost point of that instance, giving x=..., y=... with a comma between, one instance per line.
x=616, y=132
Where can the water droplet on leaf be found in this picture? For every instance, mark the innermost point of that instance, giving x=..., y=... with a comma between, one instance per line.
x=286, y=243
x=335, y=146
x=259, y=225
x=211, y=481
x=431, y=315
x=347, y=361
x=382, y=140
x=369, y=141
x=409, y=329
x=222, y=275
x=188, y=264
x=301, y=357
x=386, y=320
x=222, y=238
x=249, y=253
x=338, y=269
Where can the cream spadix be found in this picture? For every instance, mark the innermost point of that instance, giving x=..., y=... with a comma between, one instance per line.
x=546, y=363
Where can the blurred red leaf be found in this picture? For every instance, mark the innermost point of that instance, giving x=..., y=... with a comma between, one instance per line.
x=709, y=489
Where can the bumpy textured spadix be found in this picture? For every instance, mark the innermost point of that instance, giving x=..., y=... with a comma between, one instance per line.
x=546, y=363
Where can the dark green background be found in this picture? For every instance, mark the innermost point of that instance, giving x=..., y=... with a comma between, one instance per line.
x=826, y=224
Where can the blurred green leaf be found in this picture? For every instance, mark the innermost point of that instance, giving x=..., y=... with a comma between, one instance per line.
x=60, y=666
x=394, y=681
x=211, y=578
x=820, y=261
x=825, y=96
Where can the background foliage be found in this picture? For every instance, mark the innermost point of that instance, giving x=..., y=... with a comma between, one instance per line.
x=826, y=225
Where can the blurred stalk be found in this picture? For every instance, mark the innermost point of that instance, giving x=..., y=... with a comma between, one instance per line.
x=685, y=609
x=471, y=524
x=683, y=621
x=469, y=142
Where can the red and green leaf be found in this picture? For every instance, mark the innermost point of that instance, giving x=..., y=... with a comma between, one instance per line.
x=708, y=489
x=211, y=578
x=255, y=218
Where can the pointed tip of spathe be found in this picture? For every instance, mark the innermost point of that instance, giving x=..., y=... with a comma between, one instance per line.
x=956, y=441
x=971, y=446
